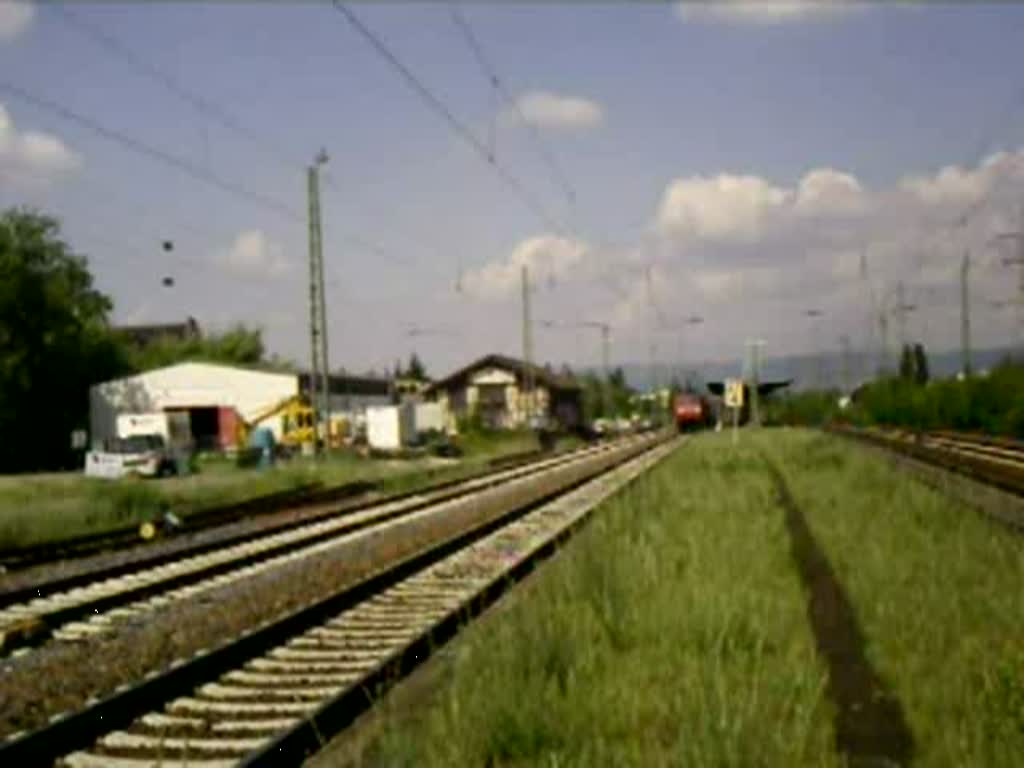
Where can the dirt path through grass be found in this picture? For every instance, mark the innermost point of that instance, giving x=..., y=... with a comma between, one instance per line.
x=869, y=720
x=937, y=591
x=670, y=631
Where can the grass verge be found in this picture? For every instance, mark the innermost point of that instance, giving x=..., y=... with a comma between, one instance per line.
x=937, y=589
x=49, y=508
x=670, y=631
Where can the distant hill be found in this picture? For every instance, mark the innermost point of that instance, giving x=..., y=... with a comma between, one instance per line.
x=806, y=370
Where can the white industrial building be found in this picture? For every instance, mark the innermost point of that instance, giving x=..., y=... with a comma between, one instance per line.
x=217, y=396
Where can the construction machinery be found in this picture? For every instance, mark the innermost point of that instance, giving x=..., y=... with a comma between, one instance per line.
x=298, y=428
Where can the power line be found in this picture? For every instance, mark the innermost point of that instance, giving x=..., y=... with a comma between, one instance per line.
x=140, y=147
x=499, y=85
x=201, y=104
x=457, y=126
x=207, y=109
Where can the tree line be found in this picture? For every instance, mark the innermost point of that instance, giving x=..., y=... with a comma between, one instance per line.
x=56, y=340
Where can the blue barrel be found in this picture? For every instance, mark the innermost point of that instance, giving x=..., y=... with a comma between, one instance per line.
x=263, y=439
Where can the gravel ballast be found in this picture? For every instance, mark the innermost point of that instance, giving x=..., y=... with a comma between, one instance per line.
x=64, y=676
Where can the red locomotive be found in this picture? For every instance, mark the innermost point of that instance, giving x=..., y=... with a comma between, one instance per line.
x=692, y=411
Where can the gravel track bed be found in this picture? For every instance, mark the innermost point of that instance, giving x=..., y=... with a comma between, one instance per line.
x=183, y=541
x=179, y=543
x=65, y=676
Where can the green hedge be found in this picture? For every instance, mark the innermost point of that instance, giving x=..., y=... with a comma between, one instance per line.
x=809, y=409
x=993, y=404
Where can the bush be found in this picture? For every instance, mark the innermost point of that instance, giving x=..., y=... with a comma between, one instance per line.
x=993, y=404
x=809, y=409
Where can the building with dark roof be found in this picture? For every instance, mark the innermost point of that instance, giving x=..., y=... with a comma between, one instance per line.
x=497, y=390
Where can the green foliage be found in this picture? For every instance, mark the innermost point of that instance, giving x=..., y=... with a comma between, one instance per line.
x=54, y=343
x=236, y=346
x=993, y=404
x=416, y=369
x=914, y=364
x=810, y=409
x=643, y=622
x=907, y=363
x=921, y=374
x=602, y=399
x=936, y=588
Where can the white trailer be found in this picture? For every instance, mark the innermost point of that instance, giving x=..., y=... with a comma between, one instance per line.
x=389, y=427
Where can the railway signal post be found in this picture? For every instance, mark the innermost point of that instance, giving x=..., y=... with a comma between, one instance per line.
x=734, y=400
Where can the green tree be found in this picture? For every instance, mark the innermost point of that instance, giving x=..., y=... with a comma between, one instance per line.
x=907, y=363
x=921, y=373
x=238, y=345
x=416, y=370
x=55, y=342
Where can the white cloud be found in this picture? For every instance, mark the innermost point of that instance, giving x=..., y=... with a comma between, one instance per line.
x=760, y=11
x=723, y=208
x=254, y=254
x=545, y=256
x=825, y=191
x=15, y=18
x=36, y=153
x=552, y=110
x=951, y=185
x=750, y=253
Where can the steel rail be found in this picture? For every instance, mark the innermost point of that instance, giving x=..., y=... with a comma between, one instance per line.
x=96, y=607
x=273, y=693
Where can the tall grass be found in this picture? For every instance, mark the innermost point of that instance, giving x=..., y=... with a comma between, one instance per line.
x=670, y=631
x=43, y=509
x=938, y=592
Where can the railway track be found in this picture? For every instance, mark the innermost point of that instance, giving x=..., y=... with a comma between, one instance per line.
x=310, y=495
x=997, y=462
x=274, y=694
x=82, y=607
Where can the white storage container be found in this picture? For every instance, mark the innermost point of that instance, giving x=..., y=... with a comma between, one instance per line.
x=389, y=427
x=428, y=417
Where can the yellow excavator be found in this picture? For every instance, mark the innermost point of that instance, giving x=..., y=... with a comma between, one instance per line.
x=297, y=427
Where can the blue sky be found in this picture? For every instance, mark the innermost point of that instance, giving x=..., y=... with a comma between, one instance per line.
x=635, y=102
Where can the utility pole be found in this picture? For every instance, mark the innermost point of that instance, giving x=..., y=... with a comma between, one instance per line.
x=652, y=352
x=1019, y=261
x=844, y=347
x=652, y=348
x=755, y=348
x=319, y=378
x=965, y=315
x=527, y=347
x=883, y=347
x=869, y=328
x=901, y=309
x=816, y=364
x=901, y=317
x=604, y=365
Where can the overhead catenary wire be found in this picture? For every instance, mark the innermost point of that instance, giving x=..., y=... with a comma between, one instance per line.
x=459, y=128
x=498, y=84
x=154, y=153
x=201, y=104
x=210, y=111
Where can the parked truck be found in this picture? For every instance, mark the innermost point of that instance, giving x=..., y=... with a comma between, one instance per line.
x=146, y=445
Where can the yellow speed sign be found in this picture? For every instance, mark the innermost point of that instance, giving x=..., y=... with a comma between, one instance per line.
x=734, y=393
